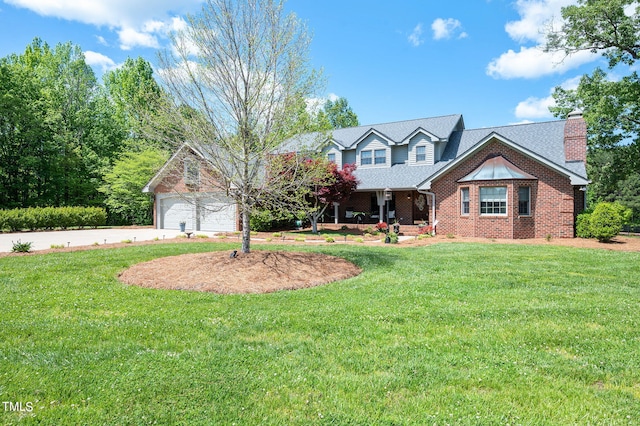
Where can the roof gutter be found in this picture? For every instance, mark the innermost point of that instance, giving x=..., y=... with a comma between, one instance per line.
x=434, y=221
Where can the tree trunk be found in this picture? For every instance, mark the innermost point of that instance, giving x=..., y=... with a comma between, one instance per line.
x=246, y=229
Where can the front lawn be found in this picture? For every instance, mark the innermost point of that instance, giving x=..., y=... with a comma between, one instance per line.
x=444, y=334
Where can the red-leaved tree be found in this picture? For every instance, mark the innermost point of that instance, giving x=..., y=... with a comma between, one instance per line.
x=321, y=183
x=338, y=186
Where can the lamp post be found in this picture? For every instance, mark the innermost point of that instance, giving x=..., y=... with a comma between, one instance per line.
x=388, y=196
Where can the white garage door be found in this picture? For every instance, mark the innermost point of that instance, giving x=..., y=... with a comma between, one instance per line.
x=216, y=216
x=203, y=215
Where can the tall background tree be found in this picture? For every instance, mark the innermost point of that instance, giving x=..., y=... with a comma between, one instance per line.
x=65, y=139
x=611, y=105
x=338, y=114
x=241, y=68
x=58, y=132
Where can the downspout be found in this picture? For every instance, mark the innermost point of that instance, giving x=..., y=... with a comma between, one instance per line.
x=434, y=221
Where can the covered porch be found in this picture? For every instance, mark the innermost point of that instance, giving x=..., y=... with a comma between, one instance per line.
x=407, y=207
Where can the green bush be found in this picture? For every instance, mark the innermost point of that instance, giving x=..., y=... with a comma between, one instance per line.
x=267, y=220
x=51, y=217
x=20, y=247
x=583, y=226
x=606, y=220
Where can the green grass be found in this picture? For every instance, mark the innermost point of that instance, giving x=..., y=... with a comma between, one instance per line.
x=451, y=333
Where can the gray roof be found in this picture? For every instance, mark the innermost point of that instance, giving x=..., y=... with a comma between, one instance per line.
x=399, y=131
x=545, y=140
x=398, y=176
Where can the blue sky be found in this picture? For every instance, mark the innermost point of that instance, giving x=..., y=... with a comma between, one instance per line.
x=392, y=60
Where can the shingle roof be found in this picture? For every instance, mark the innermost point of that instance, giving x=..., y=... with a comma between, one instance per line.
x=399, y=131
x=545, y=140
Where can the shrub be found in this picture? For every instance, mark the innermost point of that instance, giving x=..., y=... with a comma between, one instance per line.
x=583, y=226
x=606, y=221
x=329, y=239
x=425, y=230
x=51, y=217
x=393, y=237
x=266, y=220
x=382, y=226
x=20, y=247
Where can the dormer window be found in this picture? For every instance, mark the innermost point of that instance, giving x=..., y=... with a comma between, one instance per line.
x=380, y=156
x=365, y=158
x=331, y=157
x=421, y=153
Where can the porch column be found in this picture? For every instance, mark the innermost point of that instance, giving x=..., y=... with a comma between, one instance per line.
x=336, y=211
x=380, y=199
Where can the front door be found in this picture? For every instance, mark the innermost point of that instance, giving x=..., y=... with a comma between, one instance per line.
x=420, y=209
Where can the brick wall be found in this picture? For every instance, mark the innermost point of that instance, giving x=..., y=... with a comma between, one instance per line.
x=552, y=200
x=575, y=138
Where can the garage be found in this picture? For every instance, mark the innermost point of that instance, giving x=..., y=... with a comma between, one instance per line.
x=200, y=213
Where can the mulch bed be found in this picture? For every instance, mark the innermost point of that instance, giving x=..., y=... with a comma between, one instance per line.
x=255, y=272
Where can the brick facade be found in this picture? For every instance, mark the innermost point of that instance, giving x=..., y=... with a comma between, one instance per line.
x=553, y=203
x=575, y=137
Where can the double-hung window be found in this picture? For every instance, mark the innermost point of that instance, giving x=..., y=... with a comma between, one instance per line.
x=421, y=153
x=380, y=156
x=464, y=201
x=493, y=200
x=524, y=201
x=365, y=158
x=331, y=157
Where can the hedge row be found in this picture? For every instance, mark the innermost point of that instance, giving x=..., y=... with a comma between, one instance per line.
x=34, y=218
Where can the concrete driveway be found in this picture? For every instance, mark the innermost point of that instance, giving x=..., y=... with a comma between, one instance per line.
x=86, y=237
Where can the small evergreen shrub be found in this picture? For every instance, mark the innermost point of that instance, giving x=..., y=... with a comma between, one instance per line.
x=20, y=247
x=583, y=226
x=34, y=218
x=606, y=221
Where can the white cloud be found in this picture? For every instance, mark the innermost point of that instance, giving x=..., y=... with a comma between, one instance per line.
x=536, y=108
x=315, y=105
x=535, y=16
x=138, y=22
x=445, y=28
x=96, y=59
x=415, y=38
x=533, y=62
x=130, y=38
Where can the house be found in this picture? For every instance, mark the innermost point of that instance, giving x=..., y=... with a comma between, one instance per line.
x=183, y=194
x=515, y=181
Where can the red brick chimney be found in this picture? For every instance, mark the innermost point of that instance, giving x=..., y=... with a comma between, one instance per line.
x=575, y=137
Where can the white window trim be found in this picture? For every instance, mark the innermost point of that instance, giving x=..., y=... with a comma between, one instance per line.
x=375, y=157
x=370, y=158
x=462, y=212
x=506, y=202
x=528, y=214
x=425, y=154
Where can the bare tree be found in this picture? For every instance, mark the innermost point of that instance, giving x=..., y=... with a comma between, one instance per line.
x=236, y=75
